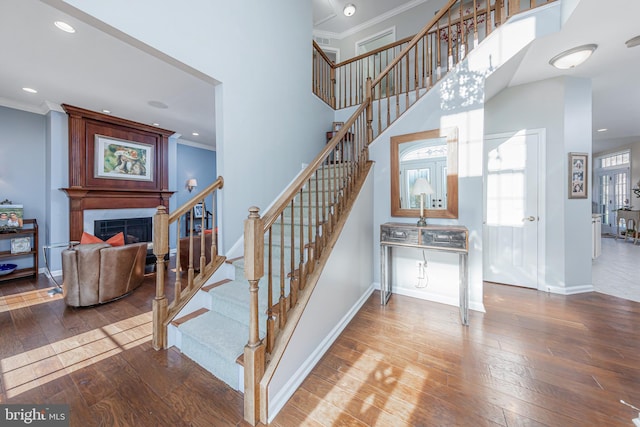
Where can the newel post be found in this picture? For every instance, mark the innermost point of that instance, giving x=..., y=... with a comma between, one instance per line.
x=254, y=351
x=160, y=249
x=332, y=86
x=369, y=96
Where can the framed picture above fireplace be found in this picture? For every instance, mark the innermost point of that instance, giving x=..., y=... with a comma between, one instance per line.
x=120, y=159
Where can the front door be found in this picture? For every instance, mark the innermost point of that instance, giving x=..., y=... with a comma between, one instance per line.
x=512, y=201
x=613, y=194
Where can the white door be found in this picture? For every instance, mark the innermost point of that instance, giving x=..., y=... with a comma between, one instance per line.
x=512, y=199
x=613, y=194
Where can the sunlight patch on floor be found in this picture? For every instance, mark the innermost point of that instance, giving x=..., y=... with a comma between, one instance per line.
x=27, y=299
x=39, y=366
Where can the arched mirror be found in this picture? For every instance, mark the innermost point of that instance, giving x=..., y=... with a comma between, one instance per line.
x=432, y=155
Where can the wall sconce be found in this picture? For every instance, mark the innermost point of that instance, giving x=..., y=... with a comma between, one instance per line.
x=191, y=184
x=422, y=187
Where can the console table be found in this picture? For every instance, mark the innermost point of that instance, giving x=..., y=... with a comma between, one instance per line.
x=628, y=216
x=431, y=237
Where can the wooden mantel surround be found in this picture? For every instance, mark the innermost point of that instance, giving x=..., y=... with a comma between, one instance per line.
x=90, y=189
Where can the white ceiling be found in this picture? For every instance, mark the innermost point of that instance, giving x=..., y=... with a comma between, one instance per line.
x=97, y=70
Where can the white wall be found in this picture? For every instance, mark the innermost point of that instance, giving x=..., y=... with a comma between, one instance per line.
x=268, y=120
x=345, y=284
x=562, y=106
x=407, y=24
x=457, y=101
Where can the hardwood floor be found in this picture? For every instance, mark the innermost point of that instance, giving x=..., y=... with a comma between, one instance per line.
x=533, y=359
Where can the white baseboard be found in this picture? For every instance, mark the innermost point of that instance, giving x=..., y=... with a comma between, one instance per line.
x=570, y=290
x=278, y=401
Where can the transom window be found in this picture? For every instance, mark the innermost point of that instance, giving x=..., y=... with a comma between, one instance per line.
x=615, y=160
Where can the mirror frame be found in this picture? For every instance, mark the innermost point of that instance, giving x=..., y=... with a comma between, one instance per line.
x=451, y=211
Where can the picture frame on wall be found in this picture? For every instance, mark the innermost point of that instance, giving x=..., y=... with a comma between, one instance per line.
x=337, y=126
x=578, y=175
x=198, y=211
x=121, y=159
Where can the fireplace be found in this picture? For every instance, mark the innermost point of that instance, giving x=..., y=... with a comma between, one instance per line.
x=134, y=229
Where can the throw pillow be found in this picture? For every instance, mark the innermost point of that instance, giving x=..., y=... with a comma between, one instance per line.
x=117, y=240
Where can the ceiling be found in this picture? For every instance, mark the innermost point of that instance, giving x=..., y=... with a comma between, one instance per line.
x=97, y=69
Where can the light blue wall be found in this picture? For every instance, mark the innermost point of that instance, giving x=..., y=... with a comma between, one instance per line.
x=268, y=122
x=23, y=166
x=194, y=162
x=34, y=166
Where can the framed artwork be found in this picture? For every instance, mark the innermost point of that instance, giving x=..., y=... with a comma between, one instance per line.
x=198, y=210
x=120, y=159
x=337, y=126
x=21, y=245
x=578, y=175
x=11, y=216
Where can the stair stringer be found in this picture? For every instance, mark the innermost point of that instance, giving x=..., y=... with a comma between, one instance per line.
x=340, y=284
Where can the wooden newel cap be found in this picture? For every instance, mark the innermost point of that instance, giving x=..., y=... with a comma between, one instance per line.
x=253, y=212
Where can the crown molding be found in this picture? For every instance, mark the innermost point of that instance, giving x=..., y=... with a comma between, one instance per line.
x=378, y=19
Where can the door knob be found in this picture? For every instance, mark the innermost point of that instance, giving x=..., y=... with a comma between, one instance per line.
x=529, y=218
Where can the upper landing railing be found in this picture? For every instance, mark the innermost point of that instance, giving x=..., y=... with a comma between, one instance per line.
x=413, y=63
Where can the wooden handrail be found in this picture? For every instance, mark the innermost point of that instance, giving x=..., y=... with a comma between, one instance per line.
x=163, y=312
x=314, y=224
x=321, y=52
x=414, y=41
x=343, y=84
x=272, y=214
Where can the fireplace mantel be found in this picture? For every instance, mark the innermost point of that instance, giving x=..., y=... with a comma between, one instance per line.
x=90, y=190
x=81, y=199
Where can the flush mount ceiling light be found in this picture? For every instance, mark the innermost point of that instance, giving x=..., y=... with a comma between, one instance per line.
x=633, y=42
x=64, y=27
x=573, y=57
x=30, y=90
x=603, y=130
x=349, y=10
x=158, y=104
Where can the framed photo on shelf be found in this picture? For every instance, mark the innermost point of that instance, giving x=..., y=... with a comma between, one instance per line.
x=21, y=245
x=198, y=210
x=578, y=175
x=11, y=217
x=337, y=126
x=120, y=159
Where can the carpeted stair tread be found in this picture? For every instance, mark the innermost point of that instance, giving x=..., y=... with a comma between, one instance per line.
x=215, y=341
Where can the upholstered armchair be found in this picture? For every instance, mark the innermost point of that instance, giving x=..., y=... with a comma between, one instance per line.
x=98, y=272
x=184, y=251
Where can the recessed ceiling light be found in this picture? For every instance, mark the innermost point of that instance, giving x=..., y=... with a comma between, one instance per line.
x=349, y=10
x=633, y=42
x=573, y=57
x=64, y=27
x=195, y=134
x=30, y=90
x=603, y=130
x=158, y=104
x=106, y=111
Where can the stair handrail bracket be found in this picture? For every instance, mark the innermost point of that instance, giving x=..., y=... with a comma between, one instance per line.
x=163, y=310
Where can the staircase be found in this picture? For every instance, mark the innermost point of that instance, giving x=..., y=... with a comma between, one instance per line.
x=255, y=312
x=215, y=337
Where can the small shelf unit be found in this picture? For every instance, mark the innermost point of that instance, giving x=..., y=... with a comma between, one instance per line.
x=30, y=230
